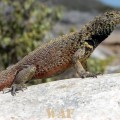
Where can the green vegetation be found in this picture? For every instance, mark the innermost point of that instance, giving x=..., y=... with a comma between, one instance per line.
x=23, y=25
x=98, y=66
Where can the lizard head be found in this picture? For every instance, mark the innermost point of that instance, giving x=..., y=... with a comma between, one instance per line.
x=112, y=16
x=100, y=28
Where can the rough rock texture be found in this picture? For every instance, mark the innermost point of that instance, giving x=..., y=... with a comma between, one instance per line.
x=80, y=99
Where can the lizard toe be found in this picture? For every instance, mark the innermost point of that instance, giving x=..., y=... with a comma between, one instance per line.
x=88, y=74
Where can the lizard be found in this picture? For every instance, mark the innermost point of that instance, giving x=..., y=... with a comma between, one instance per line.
x=54, y=57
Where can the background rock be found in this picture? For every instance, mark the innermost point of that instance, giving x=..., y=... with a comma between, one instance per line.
x=86, y=99
x=82, y=5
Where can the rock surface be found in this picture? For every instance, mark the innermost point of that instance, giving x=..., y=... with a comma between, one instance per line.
x=71, y=99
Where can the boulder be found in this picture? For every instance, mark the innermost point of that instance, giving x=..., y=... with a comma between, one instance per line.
x=70, y=99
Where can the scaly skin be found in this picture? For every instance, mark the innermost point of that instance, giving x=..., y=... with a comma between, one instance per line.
x=63, y=52
x=7, y=78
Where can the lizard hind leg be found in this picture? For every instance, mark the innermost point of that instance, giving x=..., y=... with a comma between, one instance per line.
x=22, y=77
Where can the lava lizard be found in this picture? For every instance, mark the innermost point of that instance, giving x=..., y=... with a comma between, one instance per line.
x=61, y=53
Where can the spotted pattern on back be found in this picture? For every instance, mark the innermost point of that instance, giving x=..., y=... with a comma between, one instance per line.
x=54, y=56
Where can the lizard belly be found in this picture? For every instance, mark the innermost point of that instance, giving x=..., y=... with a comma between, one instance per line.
x=52, y=71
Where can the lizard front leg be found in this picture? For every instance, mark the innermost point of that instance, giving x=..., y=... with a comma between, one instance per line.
x=80, y=64
x=22, y=77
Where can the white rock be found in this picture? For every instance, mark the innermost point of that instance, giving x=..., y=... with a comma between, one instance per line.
x=86, y=99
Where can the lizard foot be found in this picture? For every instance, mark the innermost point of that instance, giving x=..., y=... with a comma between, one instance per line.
x=15, y=88
x=88, y=74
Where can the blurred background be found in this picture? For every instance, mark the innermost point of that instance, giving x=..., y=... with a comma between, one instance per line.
x=26, y=24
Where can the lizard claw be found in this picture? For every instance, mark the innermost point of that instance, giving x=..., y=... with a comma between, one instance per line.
x=88, y=74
